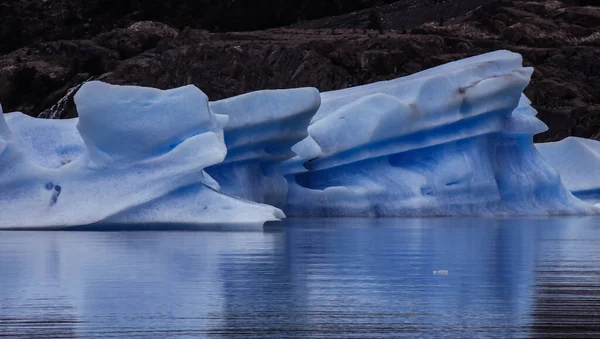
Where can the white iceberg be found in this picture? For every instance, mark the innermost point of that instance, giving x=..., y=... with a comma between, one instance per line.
x=143, y=160
x=578, y=162
x=451, y=140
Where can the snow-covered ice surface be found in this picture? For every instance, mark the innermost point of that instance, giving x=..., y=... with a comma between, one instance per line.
x=578, y=162
x=142, y=162
x=451, y=140
x=262, y=128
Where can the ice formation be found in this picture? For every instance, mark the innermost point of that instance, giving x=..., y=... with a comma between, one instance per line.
x=262, y=128
x=142, y=162
x=578, y=162
x=451, y=140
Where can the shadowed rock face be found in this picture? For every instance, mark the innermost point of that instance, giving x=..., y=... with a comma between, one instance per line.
x=396, y=15
x=560, y=39
x=27, y=21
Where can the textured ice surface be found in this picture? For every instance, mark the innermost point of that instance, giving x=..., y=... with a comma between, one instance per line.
x=452, y=140
x=49, y=143
x=262, y=128
x=578, y=162
x=145, y=151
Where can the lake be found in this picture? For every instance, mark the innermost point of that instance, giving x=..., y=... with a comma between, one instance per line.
x=309, y=278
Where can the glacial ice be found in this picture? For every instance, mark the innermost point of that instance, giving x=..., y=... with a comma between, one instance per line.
x=143, y=160
x=262, y=128
x=451, y=140
x=578, y=162
x=49, y=143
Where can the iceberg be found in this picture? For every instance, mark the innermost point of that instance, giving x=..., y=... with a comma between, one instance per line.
x=136, y=156
x=451, y=140
x=262, y=128
x=578, y=162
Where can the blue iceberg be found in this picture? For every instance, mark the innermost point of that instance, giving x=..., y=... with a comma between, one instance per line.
x=136, y=156
x=578, y=162
x=451, y=140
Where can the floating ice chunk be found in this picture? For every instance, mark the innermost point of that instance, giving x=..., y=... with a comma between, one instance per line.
x=145, y=151
x=453, y=140
x=578, y=162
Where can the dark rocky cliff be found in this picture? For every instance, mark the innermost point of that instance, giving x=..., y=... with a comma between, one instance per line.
x=561, y=39
x=27, y=21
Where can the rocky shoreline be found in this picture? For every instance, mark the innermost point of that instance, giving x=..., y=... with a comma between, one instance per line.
x=560, y=39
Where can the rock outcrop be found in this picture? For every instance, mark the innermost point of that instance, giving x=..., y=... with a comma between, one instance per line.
x=560, y=39
x=30, y=21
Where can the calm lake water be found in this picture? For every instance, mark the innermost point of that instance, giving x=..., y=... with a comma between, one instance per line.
x=349, y=278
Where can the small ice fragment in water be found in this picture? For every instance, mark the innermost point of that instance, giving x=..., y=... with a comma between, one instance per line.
x=440, y=272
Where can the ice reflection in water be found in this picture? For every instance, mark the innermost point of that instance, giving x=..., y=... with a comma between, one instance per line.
x=308, y=278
